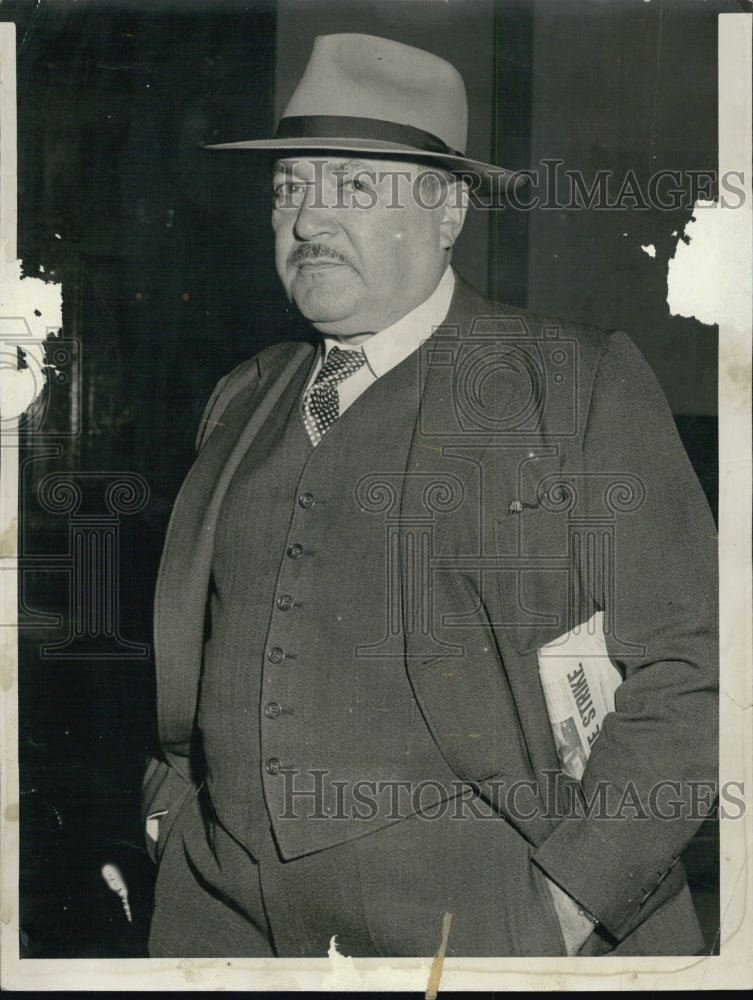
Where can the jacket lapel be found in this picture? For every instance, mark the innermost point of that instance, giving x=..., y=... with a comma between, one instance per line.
x=469, y=692
x=237, y=413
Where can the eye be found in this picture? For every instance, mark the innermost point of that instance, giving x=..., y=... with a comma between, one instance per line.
x=358, y=183
x=288, y=194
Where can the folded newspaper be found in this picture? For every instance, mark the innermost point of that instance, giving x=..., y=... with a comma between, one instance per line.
x=579, y=682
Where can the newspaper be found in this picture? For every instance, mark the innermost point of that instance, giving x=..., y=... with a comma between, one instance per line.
x=579, y=682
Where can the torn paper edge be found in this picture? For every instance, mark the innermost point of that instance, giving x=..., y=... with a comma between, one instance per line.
x=707, y=275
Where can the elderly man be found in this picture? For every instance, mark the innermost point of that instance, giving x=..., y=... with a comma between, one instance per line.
x=380, y=539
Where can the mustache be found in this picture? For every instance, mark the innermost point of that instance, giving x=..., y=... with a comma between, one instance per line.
x=315, y=251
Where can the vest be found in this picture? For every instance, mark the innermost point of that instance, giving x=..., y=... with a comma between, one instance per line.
x=305, y=704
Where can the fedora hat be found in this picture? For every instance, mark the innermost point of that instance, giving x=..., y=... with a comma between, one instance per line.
x=361, y=93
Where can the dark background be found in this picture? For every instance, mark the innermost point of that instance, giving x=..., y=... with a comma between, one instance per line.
x=164, y=254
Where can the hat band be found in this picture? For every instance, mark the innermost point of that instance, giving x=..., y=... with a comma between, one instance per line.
x=352, y=127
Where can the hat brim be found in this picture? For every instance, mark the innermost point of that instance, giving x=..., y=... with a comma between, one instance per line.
x=490, y=175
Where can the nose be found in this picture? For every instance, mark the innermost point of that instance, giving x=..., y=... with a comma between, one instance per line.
x=315, y=217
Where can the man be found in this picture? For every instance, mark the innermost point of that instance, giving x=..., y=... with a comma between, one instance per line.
x=378, y=539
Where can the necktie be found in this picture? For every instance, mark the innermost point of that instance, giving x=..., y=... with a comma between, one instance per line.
x=321, y=407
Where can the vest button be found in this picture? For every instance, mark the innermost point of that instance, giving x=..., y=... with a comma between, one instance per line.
x=284, y=602
x=295, y=551
x=272, y=710
x=306, y=500
x=275, y=654
x=272, y=766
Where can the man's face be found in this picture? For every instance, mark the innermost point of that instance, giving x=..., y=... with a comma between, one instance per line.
x=356, y=244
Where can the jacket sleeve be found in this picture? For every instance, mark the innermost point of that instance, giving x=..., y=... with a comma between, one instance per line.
x=652, y=774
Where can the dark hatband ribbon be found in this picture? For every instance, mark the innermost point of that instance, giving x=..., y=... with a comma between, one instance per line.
x=351, y=127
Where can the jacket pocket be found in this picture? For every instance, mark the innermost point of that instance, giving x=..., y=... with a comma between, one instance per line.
x=168, y=822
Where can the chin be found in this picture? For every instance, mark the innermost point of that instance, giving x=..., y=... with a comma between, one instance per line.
x=324, y=309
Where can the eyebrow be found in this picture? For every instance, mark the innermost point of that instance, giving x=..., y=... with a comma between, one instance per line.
x=280, y=167
x=287, y=168
x=352, y=165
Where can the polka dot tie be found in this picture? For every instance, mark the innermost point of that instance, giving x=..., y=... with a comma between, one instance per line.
x=321, y=406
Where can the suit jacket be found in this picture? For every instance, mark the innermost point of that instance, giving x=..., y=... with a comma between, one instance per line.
x=586, y=501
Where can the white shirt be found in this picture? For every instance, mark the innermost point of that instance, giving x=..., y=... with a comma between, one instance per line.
x=387, y=348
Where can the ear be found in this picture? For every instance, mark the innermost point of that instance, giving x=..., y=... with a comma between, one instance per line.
x=453, y=212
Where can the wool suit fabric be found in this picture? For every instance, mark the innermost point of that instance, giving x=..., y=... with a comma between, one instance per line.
x=565, y=491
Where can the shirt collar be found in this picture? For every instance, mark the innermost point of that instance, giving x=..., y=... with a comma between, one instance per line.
x=386, y=349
